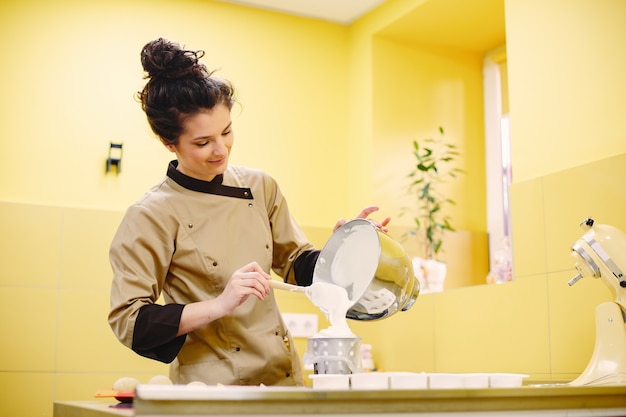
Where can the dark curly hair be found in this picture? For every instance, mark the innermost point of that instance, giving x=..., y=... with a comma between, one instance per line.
x=178, y=86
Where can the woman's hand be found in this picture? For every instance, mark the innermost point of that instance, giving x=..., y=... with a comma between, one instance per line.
x=382, y=226
x=248, y=281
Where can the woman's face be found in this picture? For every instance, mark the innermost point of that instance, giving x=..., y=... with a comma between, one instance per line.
x=204, y=145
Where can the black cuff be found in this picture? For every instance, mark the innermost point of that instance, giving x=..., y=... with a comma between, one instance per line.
x=155, y=332
x=304, y=266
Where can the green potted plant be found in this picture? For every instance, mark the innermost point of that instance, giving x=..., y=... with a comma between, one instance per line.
x=434, y=165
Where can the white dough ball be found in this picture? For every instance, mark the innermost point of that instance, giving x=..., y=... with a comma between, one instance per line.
x=160, y=380
x=125, y=384
x=197, y=383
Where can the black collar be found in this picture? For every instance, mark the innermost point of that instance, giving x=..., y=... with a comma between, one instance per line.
x=210, y=187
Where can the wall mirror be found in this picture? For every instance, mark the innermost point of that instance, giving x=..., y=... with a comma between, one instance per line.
x=472, y=33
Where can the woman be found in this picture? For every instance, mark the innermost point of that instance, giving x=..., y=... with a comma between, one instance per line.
x=205, y=237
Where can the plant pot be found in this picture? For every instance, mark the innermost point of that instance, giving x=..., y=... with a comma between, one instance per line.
x=430, y=273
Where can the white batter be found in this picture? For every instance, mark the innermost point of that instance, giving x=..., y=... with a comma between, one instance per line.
x=334, y=302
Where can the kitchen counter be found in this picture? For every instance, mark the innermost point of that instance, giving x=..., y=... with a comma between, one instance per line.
x=271, y=401
x=91, y=409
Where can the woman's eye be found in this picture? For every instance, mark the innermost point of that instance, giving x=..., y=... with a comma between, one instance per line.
x=226, y=133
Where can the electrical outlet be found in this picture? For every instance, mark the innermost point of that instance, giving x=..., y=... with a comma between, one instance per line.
x=301, y=325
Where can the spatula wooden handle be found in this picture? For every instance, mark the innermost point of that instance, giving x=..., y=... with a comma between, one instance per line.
x=284, y=286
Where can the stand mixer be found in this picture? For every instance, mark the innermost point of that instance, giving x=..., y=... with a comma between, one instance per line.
x=601, y=253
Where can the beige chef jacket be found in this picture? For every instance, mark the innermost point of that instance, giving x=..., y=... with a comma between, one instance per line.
x=184, y=239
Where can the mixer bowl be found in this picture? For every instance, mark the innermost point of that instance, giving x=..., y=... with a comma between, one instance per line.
x=374, y=270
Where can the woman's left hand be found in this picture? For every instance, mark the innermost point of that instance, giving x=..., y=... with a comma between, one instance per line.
x=382, y=226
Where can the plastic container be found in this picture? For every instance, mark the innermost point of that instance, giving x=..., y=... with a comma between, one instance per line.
x=476, y=380
x=330, y=381
x=369, y=380
x=445, y=381
x=408, y=380
x=506, y=380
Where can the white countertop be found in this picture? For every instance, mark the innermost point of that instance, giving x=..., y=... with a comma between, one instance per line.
x=549, y=401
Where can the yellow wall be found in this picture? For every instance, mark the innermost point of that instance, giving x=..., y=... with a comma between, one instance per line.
x=70, y=69
x=566, y=61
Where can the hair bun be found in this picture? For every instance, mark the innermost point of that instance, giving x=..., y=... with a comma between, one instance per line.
x=162, y=58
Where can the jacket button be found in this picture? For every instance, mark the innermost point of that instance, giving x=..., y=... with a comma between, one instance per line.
x=237, y=348
x=287, y=374
x=214, y=263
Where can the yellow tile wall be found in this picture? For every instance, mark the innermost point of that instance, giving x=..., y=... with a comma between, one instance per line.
x=527, y=228
x=54, y=295
x=547, y=212
x=26, y=393
x=31, y=236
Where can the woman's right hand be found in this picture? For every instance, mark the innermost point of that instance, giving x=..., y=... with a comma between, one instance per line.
x=248, y=281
